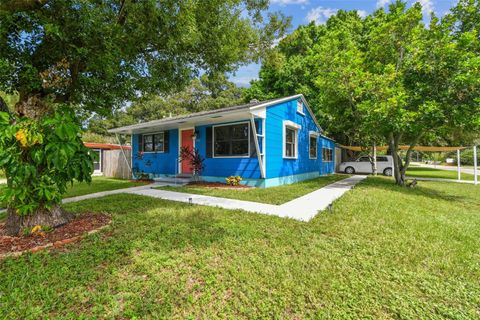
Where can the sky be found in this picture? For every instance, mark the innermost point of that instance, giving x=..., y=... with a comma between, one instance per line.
x=304, y=11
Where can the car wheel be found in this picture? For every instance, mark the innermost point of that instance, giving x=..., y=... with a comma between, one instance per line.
x=349, y=170
x=388, y=172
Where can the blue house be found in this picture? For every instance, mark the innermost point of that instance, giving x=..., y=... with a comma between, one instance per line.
x=267, y=143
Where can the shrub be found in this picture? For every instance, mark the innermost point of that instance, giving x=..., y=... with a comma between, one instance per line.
x=233, y=180
x=40, y=158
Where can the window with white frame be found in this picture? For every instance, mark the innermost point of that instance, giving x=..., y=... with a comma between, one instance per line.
x=313, y=146
x=300, y=106
x=154, y=142
x=327, y=154
x=290, y=142
x=231, y=140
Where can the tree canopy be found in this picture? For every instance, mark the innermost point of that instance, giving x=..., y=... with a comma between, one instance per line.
x=387, y=78
x=61, y=56
x=99, y=54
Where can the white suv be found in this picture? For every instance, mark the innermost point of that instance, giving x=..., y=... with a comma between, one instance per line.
x=363, y=165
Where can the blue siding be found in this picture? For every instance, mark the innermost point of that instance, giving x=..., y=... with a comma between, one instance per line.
x=224, y=167
x=279, y=170
x=277, y=166
x=156, y=162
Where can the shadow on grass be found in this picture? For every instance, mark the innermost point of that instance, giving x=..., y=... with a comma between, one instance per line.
x=388, y=185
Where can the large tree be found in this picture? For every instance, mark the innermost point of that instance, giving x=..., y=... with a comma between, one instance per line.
x=386, y=78
x=92, y=55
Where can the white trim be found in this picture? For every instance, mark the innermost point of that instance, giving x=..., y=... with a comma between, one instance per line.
x=292, y=124
x=225, y=125
x=153, y=141
x=257, y=147
x=100, y=162
x=300, y=103
x=165, y=122
x=323, y=160
x=305, y=103
x=264, y=145
x=296, y=127
x=180, y=145
x=314, y=135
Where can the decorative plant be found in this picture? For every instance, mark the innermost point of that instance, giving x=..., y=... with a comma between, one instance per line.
x=40, y=158
x=195, y=160
x=234, y=180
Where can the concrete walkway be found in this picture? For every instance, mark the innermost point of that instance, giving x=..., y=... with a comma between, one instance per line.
x=303, y=208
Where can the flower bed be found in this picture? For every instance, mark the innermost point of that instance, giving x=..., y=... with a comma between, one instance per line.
x=71, y=232
x=218, y=185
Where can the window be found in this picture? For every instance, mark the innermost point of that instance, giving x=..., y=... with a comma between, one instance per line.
x=327, y=155
x=97, y=163
x=382, y=159
x=300, y=106
x=231, y=140
x=364, y=159
x=290, y=142
x=313, y=147
x=154, y=142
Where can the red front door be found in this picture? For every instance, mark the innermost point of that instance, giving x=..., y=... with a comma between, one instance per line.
x=187, y=141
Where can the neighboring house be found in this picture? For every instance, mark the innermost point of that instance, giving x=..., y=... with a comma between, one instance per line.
x=111, y=159
x=267, y=143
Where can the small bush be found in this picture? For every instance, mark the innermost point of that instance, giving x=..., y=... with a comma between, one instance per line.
x=233, y=180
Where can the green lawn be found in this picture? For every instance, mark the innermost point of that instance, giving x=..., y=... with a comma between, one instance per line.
x=98, y=184
x=436, y=173
x=384, y=253
x=274, y=195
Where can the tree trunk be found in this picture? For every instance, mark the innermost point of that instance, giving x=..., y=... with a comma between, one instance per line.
x=32, y=107
x=398, y=172
x=54, y=217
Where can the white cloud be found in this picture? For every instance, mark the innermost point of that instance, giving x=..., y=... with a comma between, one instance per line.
x=383, y=3
x=362, y=13
x=287, y=2
x=427, y=6
x=320, y=15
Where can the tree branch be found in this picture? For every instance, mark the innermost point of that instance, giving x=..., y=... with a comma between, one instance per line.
x=22, y=5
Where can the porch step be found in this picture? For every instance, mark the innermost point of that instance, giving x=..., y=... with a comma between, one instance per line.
x=177, y=180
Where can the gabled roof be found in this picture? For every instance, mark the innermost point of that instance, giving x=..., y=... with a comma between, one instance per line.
x=210, y=114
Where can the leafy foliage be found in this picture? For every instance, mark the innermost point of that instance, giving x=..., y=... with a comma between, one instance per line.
x=44, y=155
x=233, y=180
x=387, y=78
x=194, y=159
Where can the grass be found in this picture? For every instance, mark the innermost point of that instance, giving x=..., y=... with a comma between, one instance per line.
x=98, y=184
x=385, y=252
x=436, y=173
x=274, y=195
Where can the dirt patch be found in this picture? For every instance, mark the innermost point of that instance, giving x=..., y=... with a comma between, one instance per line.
x=141, y=181
x=218, y=185
x=68, y=233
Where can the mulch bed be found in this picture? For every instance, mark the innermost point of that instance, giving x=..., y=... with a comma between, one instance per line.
x=71, y=232
x=141, y=180
x=218, y=185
